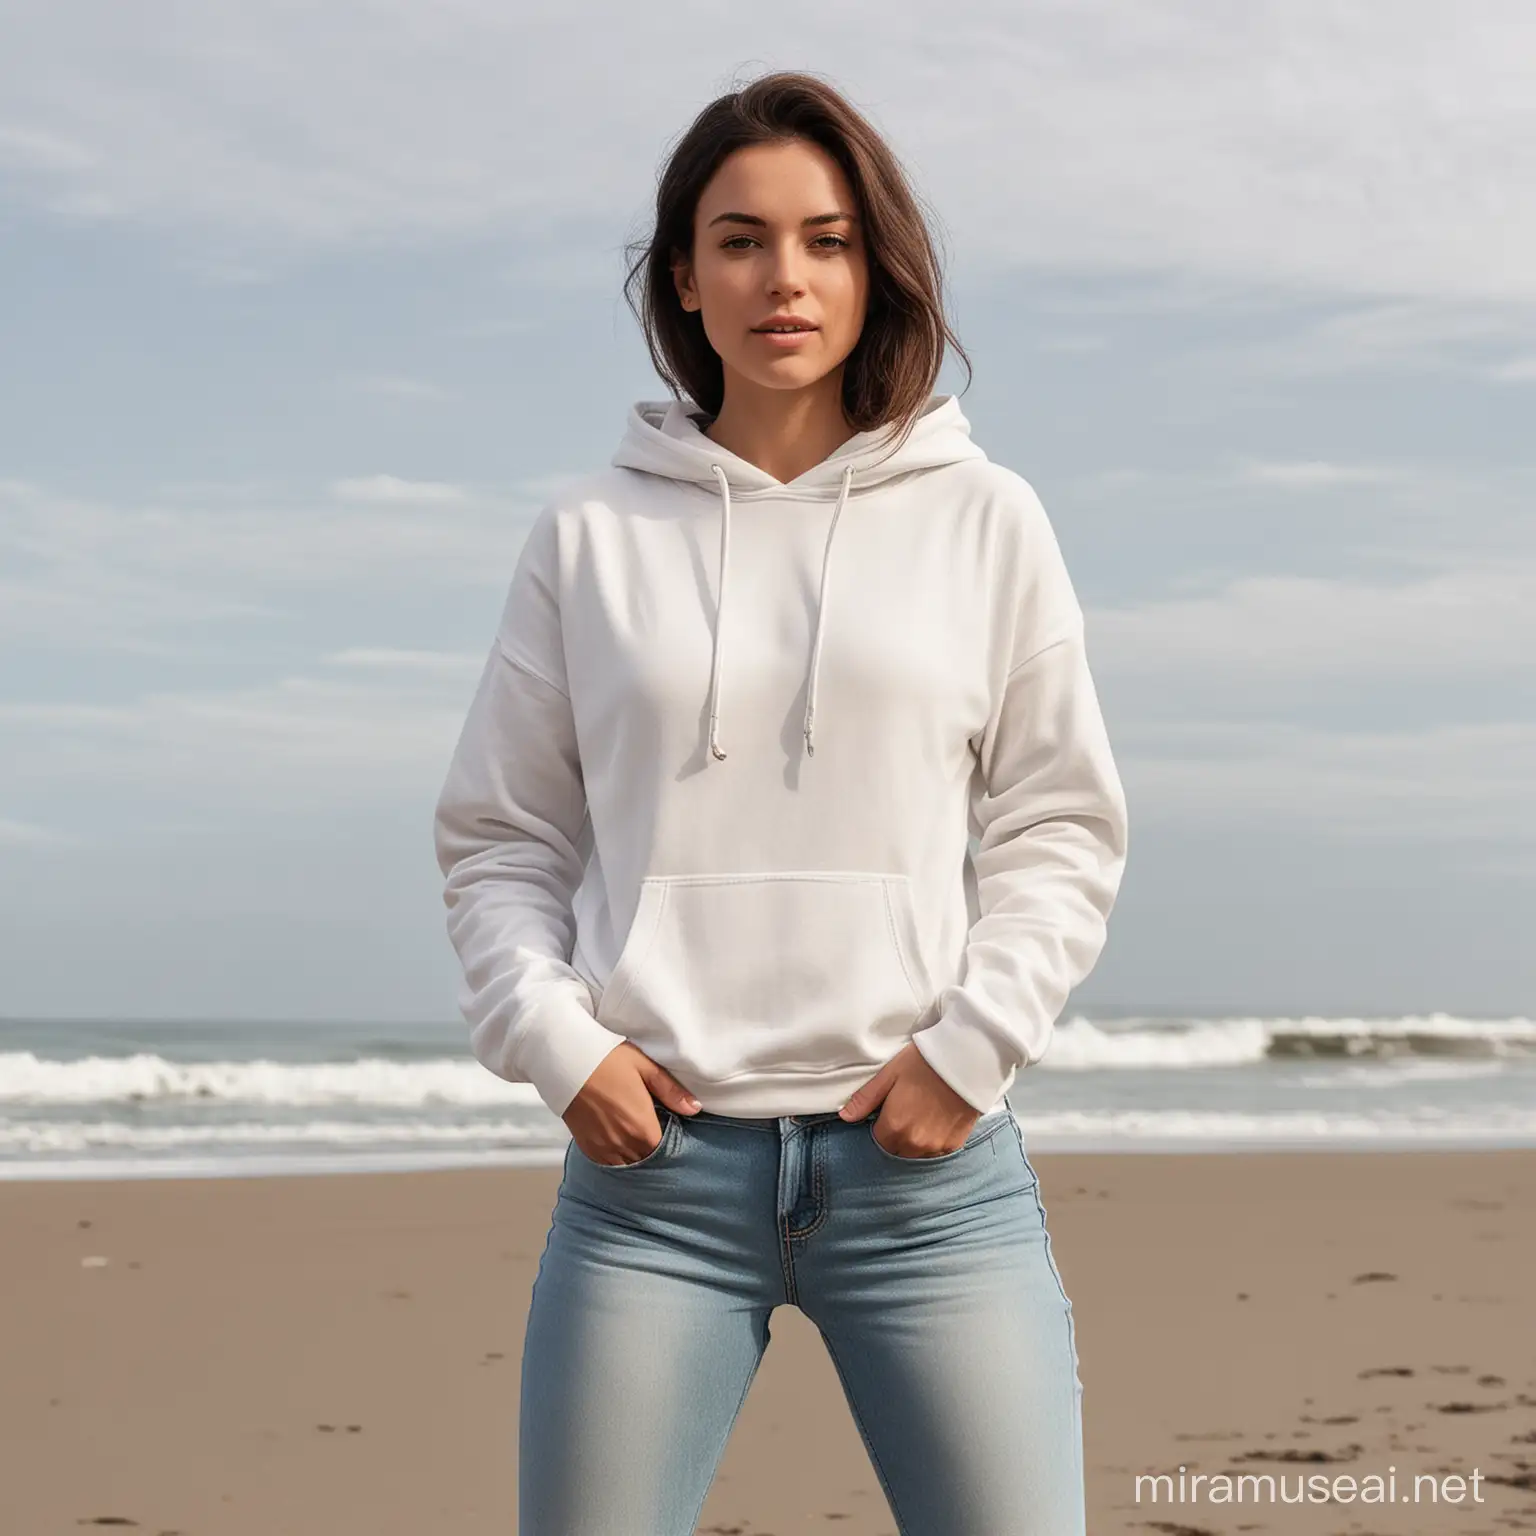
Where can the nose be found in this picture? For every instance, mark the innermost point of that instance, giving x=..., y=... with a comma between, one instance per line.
x=787, y=270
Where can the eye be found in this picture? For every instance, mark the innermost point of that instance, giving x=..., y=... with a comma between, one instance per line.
x=837, y=241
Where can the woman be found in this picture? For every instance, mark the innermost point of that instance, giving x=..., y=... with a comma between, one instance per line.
x=705, y=837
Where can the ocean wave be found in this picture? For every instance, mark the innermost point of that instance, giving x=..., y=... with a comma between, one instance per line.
x=1078, y=1044
x=26, y=1078
x=23, y=1140
x=59, y=1136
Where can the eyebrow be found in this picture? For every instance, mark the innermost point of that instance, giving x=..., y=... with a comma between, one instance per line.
x=753, y=219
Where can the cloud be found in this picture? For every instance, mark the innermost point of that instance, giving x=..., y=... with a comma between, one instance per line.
x=1517, y=370
x=1300, y=145
x=1374, y=519
x=77, y=571
x=1072, y=344
x=1256, y=627
x=1466, y=335
x=391, y=490
x=30, y=149
x=301, y=740
x=396, y=386
x=451, y=663
x=1446, y=783
x=1300, y=474
x=14, y=833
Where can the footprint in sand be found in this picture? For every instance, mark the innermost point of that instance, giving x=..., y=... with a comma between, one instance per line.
x=1349, y=1453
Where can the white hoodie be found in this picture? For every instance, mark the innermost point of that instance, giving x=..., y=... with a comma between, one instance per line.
x=715, y=789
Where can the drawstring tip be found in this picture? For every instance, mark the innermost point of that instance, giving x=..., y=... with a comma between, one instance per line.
x=715, y=751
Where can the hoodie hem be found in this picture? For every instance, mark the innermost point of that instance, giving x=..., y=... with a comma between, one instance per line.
x=770, y=1095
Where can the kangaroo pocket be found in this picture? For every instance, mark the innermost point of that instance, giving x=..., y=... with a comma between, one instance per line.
x=792, y=971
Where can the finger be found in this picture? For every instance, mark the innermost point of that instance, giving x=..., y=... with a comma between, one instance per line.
x=665, y=1087
x=864, y=1099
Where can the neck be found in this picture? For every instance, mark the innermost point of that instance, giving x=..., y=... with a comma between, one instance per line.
x=784, y=432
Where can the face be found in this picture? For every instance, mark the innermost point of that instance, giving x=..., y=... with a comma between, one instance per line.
x=775, y=233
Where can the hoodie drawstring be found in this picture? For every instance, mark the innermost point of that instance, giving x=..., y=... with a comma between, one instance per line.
x=714, y=664
x=814, y=671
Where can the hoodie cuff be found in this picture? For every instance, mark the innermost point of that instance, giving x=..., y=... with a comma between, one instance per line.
x=967, y=1059
x=559, y=1048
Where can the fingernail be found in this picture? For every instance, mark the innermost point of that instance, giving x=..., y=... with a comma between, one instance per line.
x=691, y=1103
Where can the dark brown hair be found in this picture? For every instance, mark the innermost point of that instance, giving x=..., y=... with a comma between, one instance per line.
x=891, y=371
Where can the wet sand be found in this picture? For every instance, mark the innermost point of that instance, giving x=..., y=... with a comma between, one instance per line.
x=322, y=1356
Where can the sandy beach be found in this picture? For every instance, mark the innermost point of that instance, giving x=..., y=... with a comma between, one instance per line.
x=332, y=1355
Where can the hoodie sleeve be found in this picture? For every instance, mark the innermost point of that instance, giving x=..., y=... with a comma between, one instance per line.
x=1052, y=823
x=507, y=829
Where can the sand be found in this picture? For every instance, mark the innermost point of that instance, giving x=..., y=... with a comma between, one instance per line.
x=331, y=1355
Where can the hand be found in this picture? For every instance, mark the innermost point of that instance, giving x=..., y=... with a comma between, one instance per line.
x=613, y=1117
x=927, y=1117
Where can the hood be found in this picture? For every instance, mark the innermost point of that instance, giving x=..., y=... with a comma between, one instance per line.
x=664, y=437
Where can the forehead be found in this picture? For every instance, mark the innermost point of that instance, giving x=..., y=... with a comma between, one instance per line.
x=778, y=182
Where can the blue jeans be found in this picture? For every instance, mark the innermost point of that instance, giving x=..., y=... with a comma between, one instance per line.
x=930, y=1279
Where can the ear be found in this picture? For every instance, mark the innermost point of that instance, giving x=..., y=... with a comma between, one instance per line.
x=682, y=281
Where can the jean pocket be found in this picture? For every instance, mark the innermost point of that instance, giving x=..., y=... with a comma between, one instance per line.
x=668, y=1118
x=983, y=1131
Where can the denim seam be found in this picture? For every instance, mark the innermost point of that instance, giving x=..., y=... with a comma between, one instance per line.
x=1051, y=1260
x=785, y=1244
x=787, y=1264
x=789, y=1236
x=819, y=1188
x=1077, y=1378
x=1078, y=1451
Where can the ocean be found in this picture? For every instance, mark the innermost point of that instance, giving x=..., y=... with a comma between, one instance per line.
x=139, y=1100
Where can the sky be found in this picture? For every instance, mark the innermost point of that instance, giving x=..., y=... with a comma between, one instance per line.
x=306, y=311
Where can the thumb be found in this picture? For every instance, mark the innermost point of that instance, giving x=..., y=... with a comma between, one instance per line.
x=866, y=1098
x=665, y=1087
